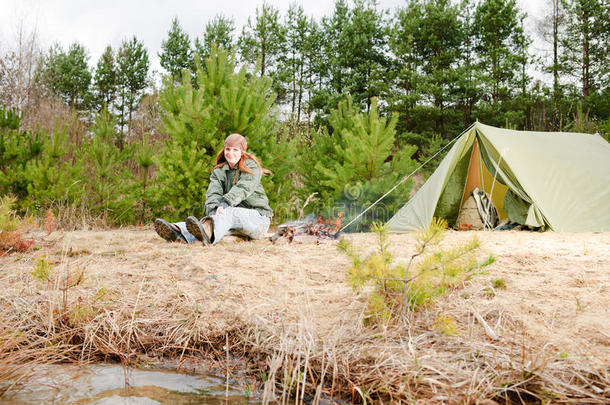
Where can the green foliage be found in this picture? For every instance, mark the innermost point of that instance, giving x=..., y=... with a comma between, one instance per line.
x=581, y=121
x=56, y=176
x=16, y=149
x=261, y=41
x=42, y=269
x=132, y=64
x=9, y=119
x=445, y=324
x=356, y=164
x=293, y=64
x=67, y=75
x=585, y=44
x=43, y=170
x=219, y=33
x=498, y=36
x=353, y=58
x=37, y=168
x=105, y=80
x=499, y=284
x=145, y=155
x=199, y=119
x=108, y=180
x=428, y=145
x=406, y=78
x=176, y=52
x=440, y=50
x=430, y=273
x=364, y=36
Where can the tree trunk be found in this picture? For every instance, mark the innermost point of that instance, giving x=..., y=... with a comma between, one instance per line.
x=294, y=87
x=585, y=53
x=555, y=53
x=300, y=92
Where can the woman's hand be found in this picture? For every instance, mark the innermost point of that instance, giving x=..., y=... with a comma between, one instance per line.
x=219, y=210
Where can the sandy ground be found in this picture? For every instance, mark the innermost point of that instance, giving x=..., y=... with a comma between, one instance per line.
x=557, y=285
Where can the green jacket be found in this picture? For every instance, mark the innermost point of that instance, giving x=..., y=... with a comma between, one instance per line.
x=247, y=192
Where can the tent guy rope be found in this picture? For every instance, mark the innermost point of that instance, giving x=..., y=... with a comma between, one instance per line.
x=406, y=178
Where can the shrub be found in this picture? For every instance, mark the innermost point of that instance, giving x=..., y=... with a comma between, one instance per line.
x=109, y=183
x=12, y=229
x=356, y=163
x=430, y=273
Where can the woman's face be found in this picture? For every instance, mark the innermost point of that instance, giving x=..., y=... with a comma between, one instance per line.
x=232, y=155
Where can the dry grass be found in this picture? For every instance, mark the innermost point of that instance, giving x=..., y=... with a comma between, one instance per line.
x=284, y=316
x=21, y=351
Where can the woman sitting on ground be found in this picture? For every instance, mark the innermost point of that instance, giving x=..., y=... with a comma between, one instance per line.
x=235, y=203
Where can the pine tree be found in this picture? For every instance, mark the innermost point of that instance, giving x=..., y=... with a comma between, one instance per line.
x=586, y=43
x=312, y=66
x=406, y=63
x=67, y=75
x=55, y=177
x=132, y=61
x=365, y=37
x=109, y=182
x=17, y=148
x=262, y=43
x=144, y=154
x=218, y=32
x=358, y=163
x=497, y=34
x=501, y=47
x=439, y=51
x=335, y=47
x=467, y=86
x=330, y=65
x=176, y=52
x=105, y=80
x=551, y=30
x=292, y=63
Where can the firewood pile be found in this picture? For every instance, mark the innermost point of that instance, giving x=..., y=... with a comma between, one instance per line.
x=308, y=229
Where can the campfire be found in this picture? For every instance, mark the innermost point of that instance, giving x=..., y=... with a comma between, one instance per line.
x=310, y=226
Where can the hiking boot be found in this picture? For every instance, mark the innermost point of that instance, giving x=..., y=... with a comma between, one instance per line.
x=167, y=231
x=202, y=231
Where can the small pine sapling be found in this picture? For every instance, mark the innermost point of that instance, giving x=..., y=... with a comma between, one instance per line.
x=431, y=272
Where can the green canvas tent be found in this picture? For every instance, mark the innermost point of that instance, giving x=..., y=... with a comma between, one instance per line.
x=554, y=180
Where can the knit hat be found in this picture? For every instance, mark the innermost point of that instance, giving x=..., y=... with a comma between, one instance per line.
x=236, y=141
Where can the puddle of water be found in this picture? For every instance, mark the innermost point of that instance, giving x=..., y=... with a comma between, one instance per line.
x=105, y=384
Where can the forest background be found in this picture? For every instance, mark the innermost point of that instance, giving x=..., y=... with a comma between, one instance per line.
x=339, y=108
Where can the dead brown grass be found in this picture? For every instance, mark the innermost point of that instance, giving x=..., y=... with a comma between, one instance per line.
x=285, y=316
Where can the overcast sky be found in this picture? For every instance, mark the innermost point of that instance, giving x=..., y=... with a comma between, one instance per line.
x=97, y=24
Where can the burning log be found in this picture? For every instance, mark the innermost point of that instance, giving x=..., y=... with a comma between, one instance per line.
x=319, y=228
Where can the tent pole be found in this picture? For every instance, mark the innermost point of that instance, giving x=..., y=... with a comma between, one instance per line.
x=493, y=183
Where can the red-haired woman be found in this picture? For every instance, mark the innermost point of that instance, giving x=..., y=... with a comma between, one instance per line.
x=235, y=203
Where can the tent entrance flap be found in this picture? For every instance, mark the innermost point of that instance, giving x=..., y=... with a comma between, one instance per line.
x=448, y=205
x=480, y=177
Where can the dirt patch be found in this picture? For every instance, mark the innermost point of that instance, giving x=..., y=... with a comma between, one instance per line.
x=547, y=297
